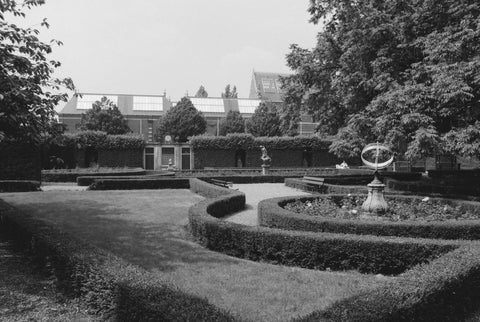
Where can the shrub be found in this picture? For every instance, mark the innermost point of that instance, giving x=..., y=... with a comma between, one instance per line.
x=89, y=179
x=19, y=185
x=130, y=184
x=71, y=175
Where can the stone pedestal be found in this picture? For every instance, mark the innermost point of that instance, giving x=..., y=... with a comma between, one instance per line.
x=375, y=201
x=265, y=169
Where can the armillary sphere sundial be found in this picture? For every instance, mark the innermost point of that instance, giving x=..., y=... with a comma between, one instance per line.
x=376, y=156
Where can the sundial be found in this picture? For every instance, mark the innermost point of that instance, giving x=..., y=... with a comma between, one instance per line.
x=376, y=156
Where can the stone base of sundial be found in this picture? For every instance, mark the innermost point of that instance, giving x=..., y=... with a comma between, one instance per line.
x=375, y=201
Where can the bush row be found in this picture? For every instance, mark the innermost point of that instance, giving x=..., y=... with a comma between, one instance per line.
x=427, y=188
x=249, y=142
x=89, y=179
x=19, y=185
x=368, y=254
x=101, y=140
x=446, y=289
x=111, y=288
x=65, y=175
x=271, y=214
x=130, y=184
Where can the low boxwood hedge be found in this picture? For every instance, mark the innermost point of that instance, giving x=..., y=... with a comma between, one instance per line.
x=88, y=180
x=71, y=175
x=19, y=185
x=428, y=188
x=143, y=183
x=272, y=214
x=112, y=289
x=305, y=249
x=446, y=289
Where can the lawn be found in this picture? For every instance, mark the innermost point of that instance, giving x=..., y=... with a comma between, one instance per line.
x=147, y=228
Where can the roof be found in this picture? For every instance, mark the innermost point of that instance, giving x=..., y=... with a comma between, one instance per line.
x=266, y=86
x=127, y=104
x=156, y=105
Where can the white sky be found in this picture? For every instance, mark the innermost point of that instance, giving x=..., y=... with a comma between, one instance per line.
x=148, y=46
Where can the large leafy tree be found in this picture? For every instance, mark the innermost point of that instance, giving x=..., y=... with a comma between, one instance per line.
x=403, y=72
x=28, y=90
x=181, y=121
x=232, y=123
x=230, y=92
x=265, y=121
x=104, y=116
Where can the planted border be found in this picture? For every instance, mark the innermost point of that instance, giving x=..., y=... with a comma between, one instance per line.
x=272, y=214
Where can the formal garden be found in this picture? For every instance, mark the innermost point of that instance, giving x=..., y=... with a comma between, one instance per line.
x=353, y=223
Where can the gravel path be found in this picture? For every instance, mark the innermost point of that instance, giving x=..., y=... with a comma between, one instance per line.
x=254, y=193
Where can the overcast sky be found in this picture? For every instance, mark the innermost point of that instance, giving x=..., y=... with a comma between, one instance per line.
x=148, y=46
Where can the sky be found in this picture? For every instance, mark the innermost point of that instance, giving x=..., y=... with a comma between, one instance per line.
x=152, y=46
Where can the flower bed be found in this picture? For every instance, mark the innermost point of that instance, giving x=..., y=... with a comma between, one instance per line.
x=399, y=209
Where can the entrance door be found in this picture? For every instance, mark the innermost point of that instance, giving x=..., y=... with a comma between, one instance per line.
x=167, y=155
x=186, y=158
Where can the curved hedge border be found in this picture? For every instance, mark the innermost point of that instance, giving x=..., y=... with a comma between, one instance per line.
x=88, y=180
x=249, y=142
x=143, y=183
x=368, y=254
x=109, y=286
x=445, y=289
x=19, y=185
x=72, y=175
x=272, y=214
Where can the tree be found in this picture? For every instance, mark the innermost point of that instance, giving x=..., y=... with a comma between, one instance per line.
x=104, y=116
x=402, y=72
x=230, y=93
x=233, y=123
x=181, y=121
x=28, y=92
x=265, y=121
x=201, y=92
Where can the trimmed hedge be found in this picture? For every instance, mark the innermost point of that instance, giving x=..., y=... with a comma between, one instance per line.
x=101, y=140
x=249, y=142
x=111, y=288
x=446, y=289
x=272, y=214
x=368, y=254
x=72, y=175
x=130, y=184
x=20, y=161
x=88, y=179
x=428, y=188
x=19, y=185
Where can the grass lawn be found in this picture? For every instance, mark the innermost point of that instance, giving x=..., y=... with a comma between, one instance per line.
x=146, y=228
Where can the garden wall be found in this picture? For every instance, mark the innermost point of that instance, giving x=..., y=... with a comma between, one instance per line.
x=20, y=161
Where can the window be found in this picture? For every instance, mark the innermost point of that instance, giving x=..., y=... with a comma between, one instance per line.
x=248, y=106
x=148, y=103
x=214, y=105
x=268, y=85
x=150, y=131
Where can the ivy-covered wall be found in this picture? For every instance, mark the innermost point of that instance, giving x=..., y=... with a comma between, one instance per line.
x=243, y=150
x=20, y=161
